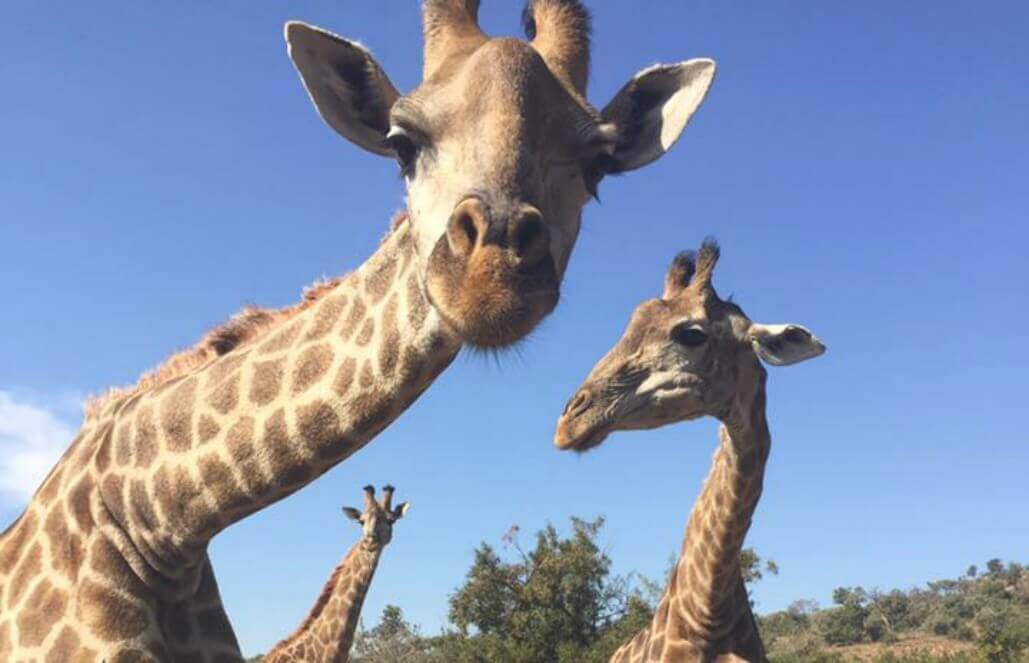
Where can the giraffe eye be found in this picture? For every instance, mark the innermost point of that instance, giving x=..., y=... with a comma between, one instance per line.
x=406, y=150
x=689, y=335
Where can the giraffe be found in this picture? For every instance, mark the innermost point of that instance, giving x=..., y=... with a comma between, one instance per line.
x=328, y=631
x=499, y=151
x=684, y=356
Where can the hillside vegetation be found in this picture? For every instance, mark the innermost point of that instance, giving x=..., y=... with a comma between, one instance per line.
x=557, y=601
x=982, y=615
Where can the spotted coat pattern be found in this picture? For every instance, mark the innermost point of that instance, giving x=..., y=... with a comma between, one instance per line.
x=705, y=614
x=327, y=634
x=109, y=560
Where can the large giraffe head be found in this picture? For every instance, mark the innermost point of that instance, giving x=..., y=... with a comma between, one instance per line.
x=685, y=355
x=498, y=148
x=377, y=518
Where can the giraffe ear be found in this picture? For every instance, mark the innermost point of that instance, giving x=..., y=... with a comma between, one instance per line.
x=352, y=513
x=652, y=110
x=401, y=510
x=347, y=86
x=782, y=345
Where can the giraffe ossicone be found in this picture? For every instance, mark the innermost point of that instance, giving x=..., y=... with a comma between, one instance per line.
x=327, y=633
x=683, y=356
x=500, y=151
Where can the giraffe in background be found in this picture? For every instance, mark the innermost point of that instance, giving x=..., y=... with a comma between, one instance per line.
x=328, y=631
x=687, y=355
x=499, y=151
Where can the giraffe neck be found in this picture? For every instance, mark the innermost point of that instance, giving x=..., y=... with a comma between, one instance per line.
x=328, y=631
x=705, y=611
x=707, y=578
x=182, y=461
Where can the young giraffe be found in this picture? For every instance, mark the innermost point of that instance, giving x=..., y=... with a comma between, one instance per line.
x=500, y=151
x=684, y=356
x=328, y=631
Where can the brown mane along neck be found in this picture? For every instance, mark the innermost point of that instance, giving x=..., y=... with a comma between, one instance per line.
x=247, y=326
x=260, y=407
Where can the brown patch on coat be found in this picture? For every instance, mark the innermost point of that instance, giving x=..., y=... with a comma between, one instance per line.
x=5, y=640
x=140, y=506
x=367, y=331
x=177, y=416
x=311, y=365
x=207, y=428
x=287, y=466
x=240, y=443
x=146, y=432
x=78, y=504
x=282, y=339
x=219, y=482
x=223, y=367
x=66, y=549
x=389, y=347
x=318, y=424
x=111, y=488
x=326, y=317
x=175, y=491
x=123, y=451
x=225, y=397
x=377, y=283
x=267, y=381
x=411, y=367
x=353, y=321
x=40, y=613
x=108, y=614
x=345, y=376
x=371, y=412
x=122, y=448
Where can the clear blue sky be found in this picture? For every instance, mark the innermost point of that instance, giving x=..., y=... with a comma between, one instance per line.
x=864, y=166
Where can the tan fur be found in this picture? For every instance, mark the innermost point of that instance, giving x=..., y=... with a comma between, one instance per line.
x=451, y=30
x=562, y=36
x=114, y=544
x=327, y=632
x=687, y=355
x=246, y=327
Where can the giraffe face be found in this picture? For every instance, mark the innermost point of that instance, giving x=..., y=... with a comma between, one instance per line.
x=377, y=518
x=498, y=148
x=682, y=357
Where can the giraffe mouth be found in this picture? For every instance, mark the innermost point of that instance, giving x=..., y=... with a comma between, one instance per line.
x=489, y=301
x=581, y=434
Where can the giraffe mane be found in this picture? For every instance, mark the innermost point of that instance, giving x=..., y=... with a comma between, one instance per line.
x=321, y=601
x=248, y=325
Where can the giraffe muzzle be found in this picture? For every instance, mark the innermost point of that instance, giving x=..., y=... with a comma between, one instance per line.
x=491, y=275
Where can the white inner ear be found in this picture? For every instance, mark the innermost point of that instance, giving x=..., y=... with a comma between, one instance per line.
x=315, y=54
x=694, y=80
x=787, y=352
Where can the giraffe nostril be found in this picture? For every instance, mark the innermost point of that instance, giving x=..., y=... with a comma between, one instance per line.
x=529, y=237
x=578, y=403
x=467, y=226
